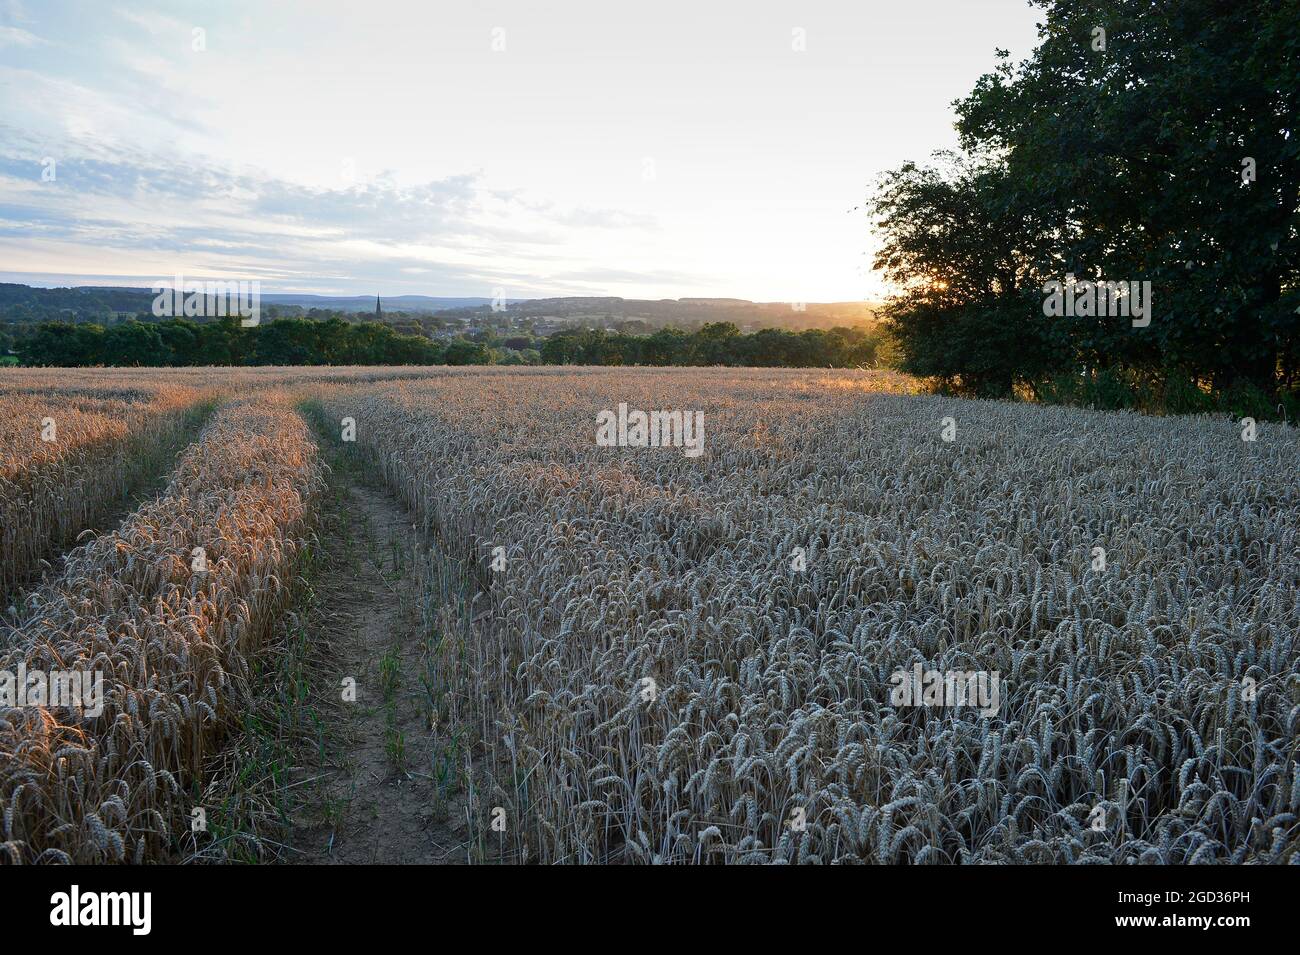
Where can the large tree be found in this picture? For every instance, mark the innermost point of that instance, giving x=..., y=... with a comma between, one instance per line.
x=961, y=246
x=1155, y=141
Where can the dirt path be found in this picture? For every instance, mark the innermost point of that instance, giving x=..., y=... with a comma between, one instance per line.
x=382, y=788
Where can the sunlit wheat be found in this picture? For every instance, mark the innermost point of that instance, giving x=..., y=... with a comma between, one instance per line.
x=1124, y=689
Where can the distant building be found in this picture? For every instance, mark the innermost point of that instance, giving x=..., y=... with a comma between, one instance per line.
x=379, y=312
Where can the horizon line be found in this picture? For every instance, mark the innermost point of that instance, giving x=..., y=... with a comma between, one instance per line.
x=58, y=280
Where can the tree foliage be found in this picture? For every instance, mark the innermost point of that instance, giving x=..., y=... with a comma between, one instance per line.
x=1162, y=149
x=286, y=341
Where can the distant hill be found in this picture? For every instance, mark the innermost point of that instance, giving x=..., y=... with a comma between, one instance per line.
x=686, y=312
x=83, y=298
x=24, y=304
x=366, y=303
x=129, y=299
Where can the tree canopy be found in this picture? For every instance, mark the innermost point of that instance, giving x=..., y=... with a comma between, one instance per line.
x=285, y=341
x=1139, y=142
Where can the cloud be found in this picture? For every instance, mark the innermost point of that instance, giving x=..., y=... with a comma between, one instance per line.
x=452, y=233
x=581, y=216
x=155, y=23
x=14, y=10
x=16, y=36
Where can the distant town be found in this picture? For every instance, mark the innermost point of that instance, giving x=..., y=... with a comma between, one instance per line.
x=91, y=325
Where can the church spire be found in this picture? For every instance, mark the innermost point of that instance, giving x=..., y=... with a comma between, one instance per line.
x=379, y=312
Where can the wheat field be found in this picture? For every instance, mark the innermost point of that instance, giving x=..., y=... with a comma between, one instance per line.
x=692, y=654
x=172, y=639
x=67, y=452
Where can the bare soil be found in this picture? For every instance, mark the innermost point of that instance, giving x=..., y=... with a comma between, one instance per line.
x=375, y=797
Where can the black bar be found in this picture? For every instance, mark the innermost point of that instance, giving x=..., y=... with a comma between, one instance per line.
x=334, y=903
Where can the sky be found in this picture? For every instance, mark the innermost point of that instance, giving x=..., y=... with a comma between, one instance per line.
x=656, y=150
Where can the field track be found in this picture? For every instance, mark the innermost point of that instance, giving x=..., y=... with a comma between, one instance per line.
x=378, y=776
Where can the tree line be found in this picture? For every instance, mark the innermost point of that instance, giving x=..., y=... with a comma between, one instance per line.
x=720, y=343
x=299, y=341
x=1142, y=143
x=285, y=341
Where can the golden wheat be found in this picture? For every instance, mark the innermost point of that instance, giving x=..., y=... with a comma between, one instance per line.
x=171, y=642
x=67, y=454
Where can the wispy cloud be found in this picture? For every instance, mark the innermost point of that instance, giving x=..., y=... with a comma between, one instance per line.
x=156, y=24
x=16, y=36
x=452, y=230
